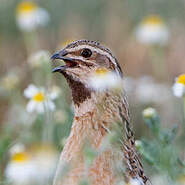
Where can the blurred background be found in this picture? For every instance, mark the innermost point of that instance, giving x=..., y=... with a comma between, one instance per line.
x=148, y=39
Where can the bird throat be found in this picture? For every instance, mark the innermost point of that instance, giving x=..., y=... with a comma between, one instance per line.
x=79, y=92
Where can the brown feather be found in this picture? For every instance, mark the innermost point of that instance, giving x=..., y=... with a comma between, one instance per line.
x=97, y=115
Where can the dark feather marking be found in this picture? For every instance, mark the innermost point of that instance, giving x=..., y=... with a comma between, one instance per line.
x=90, y=43
x=79, y=92
x=98, y=45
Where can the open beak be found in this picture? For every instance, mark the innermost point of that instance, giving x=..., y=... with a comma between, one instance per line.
x=62, y=56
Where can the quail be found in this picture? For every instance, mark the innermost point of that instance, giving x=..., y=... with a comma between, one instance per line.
x=97, y=114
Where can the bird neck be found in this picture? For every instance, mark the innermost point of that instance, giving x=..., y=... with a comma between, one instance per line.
x=90, y=104
x=92, y=121
x=96, y=109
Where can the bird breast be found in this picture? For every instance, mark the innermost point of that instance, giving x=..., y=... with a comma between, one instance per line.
x=88, y=131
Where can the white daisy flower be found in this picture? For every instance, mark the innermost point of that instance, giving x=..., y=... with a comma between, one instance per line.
x=103, y=79
x=149, y=112
x=21, y=170
x=10, y=81
x=17, y=148
x=29, y=16
x=152, y=30
x=45, y=158
x=146, y=91
x=179, y=86
x=39, y=58
x=34, y=167
x=39, y=99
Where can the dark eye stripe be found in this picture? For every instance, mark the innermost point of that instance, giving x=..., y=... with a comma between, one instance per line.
x=79, y=51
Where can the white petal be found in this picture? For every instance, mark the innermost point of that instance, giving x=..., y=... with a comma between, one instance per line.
x=18, y=147
x=96, y=83
x=31, y=20
x=54, y=92
x=42, y=17
x=40, y=107
x=152, y=34
x=51, y=105
x=113, y=81
x=22, y=173
x=110, y=81
x=53, y=95
x=31, y=106
x=27, y=21
x=178, y=89
x=30, y=91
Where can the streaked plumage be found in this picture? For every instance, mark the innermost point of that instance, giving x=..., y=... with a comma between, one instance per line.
x=96, y=115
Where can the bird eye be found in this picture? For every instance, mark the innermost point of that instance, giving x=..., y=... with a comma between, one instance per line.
x=86, y=53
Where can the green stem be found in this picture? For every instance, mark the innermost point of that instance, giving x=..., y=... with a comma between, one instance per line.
x=184, y=109
x=48, y=127
x=31, y=41
x=158, y=62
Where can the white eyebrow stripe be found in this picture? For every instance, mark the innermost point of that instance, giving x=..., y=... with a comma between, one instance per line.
x=94, y=49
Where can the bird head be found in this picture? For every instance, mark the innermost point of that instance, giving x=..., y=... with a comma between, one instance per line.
x=82, y=58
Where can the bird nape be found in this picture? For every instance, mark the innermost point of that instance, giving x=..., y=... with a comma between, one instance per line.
x=101, y=147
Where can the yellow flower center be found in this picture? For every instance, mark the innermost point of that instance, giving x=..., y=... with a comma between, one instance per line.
x=20, y=157
x=101, y=72
x=26, y=7
x=39, y=97
x=153, y=20
x=181, y=79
